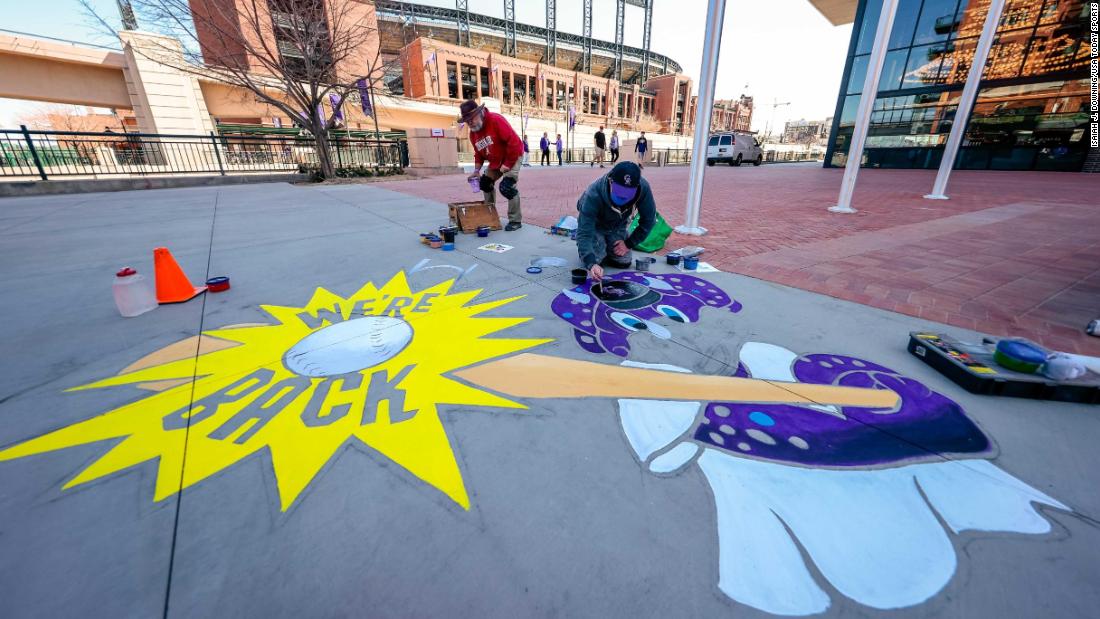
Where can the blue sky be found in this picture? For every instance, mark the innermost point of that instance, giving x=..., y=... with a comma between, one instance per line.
x=783, y=50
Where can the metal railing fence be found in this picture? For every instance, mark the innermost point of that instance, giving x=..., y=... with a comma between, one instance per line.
x=47, y=154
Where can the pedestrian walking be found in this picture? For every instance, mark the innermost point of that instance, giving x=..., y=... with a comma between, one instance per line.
x=614, y=146
x=640, y=148
x=496, y=142
x=559, y=145
x=526, y=152
x=544, y=146
x=601, y=143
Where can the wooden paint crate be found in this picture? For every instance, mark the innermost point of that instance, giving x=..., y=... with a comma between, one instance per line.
x=468, y=216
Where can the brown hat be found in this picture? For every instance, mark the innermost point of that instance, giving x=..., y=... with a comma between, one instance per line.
x=468, y=108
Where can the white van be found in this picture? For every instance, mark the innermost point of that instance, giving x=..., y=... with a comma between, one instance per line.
x=733, y=148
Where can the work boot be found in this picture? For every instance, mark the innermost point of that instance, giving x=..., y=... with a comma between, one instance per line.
x=513, y=226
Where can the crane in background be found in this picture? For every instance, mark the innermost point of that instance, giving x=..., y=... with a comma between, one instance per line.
x=775, y=103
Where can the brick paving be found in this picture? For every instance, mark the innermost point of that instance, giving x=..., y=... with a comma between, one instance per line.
x=1011, y=253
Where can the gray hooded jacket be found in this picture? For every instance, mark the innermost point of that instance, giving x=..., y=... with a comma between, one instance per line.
x=600, y=216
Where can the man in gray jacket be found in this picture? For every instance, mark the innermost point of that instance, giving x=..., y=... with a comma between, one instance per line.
x=606, y=208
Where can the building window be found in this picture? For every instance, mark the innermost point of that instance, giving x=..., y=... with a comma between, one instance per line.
x=550, y=94
x=603, y=104
x=519, y=88
x=561, y=95
x=289, y=19
x=452, y=80
x=584, y=101
x=485, y=82
x=469, y=81
x=532, y=91
x=506, y=79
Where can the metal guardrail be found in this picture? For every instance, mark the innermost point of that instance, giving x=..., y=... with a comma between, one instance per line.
x=48, y=154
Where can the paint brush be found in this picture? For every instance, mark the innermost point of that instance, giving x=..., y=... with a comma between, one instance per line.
x=530, y=375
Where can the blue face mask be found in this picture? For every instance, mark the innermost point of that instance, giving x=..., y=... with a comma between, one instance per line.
x=620, y=201
x=621, y=196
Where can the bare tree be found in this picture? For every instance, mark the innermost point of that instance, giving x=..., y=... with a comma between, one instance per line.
x=61, y=117
x=294, y=55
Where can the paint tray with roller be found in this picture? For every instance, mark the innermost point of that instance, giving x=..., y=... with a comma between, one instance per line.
x=621, y=294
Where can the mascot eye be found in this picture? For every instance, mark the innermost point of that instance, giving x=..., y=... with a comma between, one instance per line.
x=627, y=321
x=673, y=313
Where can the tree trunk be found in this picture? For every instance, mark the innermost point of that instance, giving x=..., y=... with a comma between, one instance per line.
x=324, y=153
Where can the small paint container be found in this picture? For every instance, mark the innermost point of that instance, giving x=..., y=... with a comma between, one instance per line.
x=691, y=263
x=435, y=242
x=475, y=184
x=580, y=276
x=448, y=246
x=217, y=284
x=534, y=270
x=673, y=259
x=424, y=237
x=642, y=264
x=483, y=231
x=448, y=234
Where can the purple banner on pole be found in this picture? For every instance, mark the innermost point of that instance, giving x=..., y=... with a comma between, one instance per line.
x=364, y=97
x=336, y=102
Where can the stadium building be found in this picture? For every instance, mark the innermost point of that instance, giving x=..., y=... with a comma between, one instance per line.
x=538, y=76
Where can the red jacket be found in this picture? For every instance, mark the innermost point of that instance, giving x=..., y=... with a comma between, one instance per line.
x=496, y=143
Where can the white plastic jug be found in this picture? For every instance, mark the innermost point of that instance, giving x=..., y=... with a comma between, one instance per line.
x=134, y=294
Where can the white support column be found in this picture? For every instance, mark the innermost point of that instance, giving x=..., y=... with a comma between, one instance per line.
x=966, y=101
x=866, y=104
x=708, y=73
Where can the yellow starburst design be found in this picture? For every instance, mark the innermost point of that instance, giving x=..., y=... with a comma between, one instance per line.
x=247, y=398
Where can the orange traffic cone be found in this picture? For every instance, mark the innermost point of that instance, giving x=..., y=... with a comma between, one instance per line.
x=172, y=284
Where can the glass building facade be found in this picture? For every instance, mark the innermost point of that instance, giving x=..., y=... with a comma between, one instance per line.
x=1032, y=107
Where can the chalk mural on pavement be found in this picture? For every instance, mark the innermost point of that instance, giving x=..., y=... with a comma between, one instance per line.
x=604, y=325
x=860, y=491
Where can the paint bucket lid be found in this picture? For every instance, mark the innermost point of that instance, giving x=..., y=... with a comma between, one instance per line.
x=126, y=272
x=217, y=284
x=534, y=270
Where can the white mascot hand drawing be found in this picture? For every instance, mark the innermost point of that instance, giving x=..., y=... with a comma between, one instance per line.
x=865, y=516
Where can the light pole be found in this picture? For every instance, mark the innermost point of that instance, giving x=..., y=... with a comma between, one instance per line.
x=768, y=129
x=708, y=73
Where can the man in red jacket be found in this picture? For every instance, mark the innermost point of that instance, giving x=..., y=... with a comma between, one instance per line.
x=495, y=141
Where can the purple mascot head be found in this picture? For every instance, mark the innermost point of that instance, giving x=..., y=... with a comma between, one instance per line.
x=604, y=316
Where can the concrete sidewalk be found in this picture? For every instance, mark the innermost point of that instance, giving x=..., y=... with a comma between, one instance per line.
x=502, y=493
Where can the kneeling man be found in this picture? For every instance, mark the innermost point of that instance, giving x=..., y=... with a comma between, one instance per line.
x=606, y=208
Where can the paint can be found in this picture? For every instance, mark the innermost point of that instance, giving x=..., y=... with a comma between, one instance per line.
x=448, y=246
x=534, y=270
x=1093, y=328
x=425, y=237
x=435, y=242
x=217, y=284
x=580, y=276
x=642, y=264
x=482, y=231
x=691, y=263
x=448, y=234
x=672, y=258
